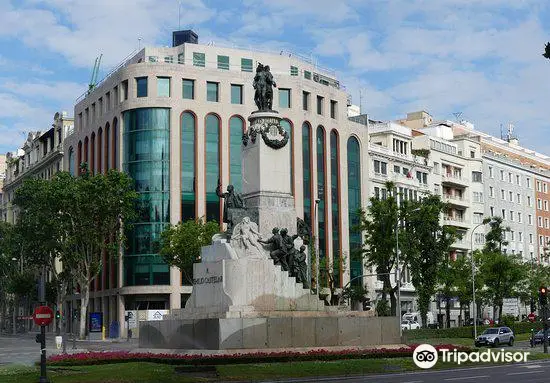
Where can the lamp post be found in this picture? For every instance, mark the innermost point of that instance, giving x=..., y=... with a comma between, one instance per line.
x=316, y=220
x=474, y=277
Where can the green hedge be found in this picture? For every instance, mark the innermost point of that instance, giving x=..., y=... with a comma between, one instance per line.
x=467, y=331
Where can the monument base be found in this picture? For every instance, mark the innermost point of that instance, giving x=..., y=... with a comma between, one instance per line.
x=291, y=330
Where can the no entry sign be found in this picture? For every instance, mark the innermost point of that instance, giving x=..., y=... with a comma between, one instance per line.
x=43, y=315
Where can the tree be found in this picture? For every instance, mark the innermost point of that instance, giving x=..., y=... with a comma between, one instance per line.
x=546, y=53
x=379, y=227
x=86, y=218
x=501, y=272
x=425, y=243
x=181, y=244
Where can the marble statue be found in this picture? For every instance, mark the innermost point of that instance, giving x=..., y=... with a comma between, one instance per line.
x=246, y=236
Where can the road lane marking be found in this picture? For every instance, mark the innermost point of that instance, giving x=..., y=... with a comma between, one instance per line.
x=468, y=377
x=533, y=366
x=524, y=372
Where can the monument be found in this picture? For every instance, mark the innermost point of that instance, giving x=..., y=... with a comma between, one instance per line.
x=251, y=288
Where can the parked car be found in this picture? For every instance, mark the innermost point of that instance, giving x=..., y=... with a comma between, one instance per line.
x=470, y=322
x=538, y=338
x=409, y=325
x=495, y=336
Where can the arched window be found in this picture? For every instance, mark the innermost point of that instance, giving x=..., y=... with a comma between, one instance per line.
x=79, y=157
x=306, y=159
x=335, y=205
x=99, y=150
x=114, y=144
x=92, y=153
x=71, y=162
x=287, y=125
x=354, y=204
x=321, y=193
x=236, y=129
x=212, y=166
x=86, y=158
x=106, y=155
x=188, y=129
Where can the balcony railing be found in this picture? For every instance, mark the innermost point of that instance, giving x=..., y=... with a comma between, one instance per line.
x=455, y=198
x=455, y=221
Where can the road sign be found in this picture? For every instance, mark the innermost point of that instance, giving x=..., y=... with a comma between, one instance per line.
x=43, y=315
x=531, y=317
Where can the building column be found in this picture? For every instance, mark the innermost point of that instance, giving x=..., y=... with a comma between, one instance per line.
x=121, y=311
x=175, y=287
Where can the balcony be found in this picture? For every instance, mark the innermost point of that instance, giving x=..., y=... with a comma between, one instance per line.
x=455, y=200
x=456, y=221
x=454, y=179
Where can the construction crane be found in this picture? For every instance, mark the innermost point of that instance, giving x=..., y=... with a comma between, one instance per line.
x=95, y=72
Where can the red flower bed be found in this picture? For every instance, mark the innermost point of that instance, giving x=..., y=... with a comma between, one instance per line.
x=107, y=357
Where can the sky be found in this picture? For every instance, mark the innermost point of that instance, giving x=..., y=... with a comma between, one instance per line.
x=480, y=58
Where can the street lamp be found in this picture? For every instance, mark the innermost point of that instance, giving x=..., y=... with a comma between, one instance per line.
x=474, y=277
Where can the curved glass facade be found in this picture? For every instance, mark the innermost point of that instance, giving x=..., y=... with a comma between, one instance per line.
x=236, y=126
x=212, y=164
x=188, y=127
x=354, y=204
x=321, y=210
x=288, y=127
x=147, y=160
x=335, y=206
x=306, y=159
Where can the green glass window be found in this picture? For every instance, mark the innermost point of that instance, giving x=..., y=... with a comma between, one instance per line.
x=246, y=65
x=199, y=59
x=163, y=86
x=169, y=59
x=321, y=184
x=147, y=161
x=354, y=204
x=141, y=86
x=188, y=89
x=320, y=101
x=212, y=164
x=107, y=147
x=284, y=98
x=223, y=62
x=305, y=100
x=236, y=126
x=293, y=71
x=236, y=94
x=181, y=58
x=288, y=127
x=335, y=204
x=212, y=91
x=333, y=108
x=307, y=75
x=71, y=162
x=188, y=125
x=306, y=158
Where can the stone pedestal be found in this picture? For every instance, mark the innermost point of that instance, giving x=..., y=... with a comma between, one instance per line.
x=266, y=176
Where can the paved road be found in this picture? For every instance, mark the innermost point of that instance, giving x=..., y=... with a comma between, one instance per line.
x=23, y=349
x=531, y=372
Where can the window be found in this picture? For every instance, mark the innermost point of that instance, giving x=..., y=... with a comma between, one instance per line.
x=478, y=197
x=108, y=101
x=519, y=217
x=539, y=203
x=472, y=154
x=246, y=65
x=223, y=62
x=236, y=94
x=530, y=238
x=478, y=217
x=491, y=191
x=476, y=177
x=293, y=71
x=502, y=175
x=492, y=211
x=546, y=223
x=188, y=175
x=212, y=91
x=538, y=186
x=491, y=172
x=124, y=91
x=530, y=219
x=141, y=86
x=511, y=196
x=436, y=167
x=503, y=213
x=169, y=59
x=320, y=105
x=181, y=58
x=153, y=59
x=397, y=169
x=529, y=201
x=510, y=177
x=163, y=86
x=528, y=181
x=284, y=98
x=199, y=59
x=512, y=235
x=546, y=205
x=307, y=75
x=380, y=167
x=540, y=221
x=188, y=89
x=502, y=194
x=333, y=108
x=100, y=105
x=511, y=215
x=305, y=100
x=545, y=188
x=518, y=179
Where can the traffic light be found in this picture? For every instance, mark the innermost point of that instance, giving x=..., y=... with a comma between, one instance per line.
x=543, y=295
x=57, y=315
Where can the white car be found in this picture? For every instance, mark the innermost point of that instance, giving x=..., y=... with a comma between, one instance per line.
x=409, y=325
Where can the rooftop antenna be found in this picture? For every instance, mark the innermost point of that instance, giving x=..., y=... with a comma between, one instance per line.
x=360, y=101
x=458, y=116
x=139, y=43
x=510, y=132
x=501, y=133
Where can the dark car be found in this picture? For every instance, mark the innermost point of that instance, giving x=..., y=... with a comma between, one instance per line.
x=539, y=338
